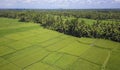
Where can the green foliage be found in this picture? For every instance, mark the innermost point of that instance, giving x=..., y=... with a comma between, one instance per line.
x=80, y=23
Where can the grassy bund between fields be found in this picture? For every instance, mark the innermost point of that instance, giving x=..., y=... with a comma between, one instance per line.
x=28, y=46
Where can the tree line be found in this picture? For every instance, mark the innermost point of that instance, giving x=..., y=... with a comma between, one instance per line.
x=68, y=21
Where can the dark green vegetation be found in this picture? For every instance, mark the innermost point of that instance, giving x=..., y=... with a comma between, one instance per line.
x=103, y=24
x=28, y=46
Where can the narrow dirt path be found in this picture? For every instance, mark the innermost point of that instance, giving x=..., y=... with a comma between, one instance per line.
x=106, y=61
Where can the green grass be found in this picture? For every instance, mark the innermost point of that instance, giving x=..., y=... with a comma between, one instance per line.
x=75, y=48
x=5, y=50
x=6, y=65
x=65, y=61
x=52, y=58
x=95, y=55
x=88, y=21
x=114, y=61
x=25, y=57
x=106, y=44
x=28, y=46
x=5, y=41
x=84, y=65
x=41, y=66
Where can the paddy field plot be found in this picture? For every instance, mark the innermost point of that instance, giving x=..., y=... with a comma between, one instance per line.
x=29, y=46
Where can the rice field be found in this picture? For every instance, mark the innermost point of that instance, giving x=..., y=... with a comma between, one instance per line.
x=28, y=46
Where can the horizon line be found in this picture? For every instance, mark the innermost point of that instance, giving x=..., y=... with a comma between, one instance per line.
x=59, y=8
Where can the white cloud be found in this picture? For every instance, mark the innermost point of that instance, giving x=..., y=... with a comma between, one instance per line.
x=50, y=1
x=29, y=1
x=117, y=0
x=57, y=3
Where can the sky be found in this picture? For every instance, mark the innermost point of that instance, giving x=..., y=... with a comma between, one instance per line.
x=60, y=4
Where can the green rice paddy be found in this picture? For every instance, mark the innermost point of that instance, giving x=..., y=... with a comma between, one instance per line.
x=28, y=46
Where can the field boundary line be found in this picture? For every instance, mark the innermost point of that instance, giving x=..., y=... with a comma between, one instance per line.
x=22, y=49
x=59, y=48
x=59, y=58
x=79, y=56
x=18, y=50
x=102, y=47
x=82, y=42
x=92, y=44
x=12, y=63
x=90, y=61
x=106, y=61
x=35, y=62
x=52, y=65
